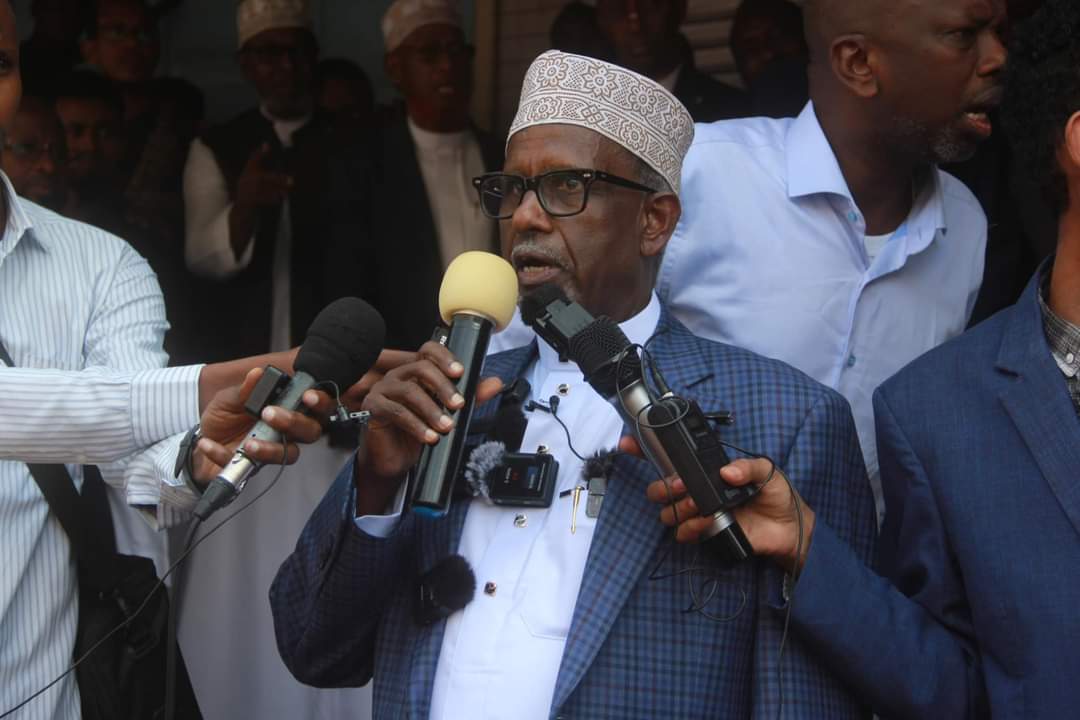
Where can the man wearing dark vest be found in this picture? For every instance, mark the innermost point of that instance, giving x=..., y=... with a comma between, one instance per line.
x=404, y=206
x=253, y=189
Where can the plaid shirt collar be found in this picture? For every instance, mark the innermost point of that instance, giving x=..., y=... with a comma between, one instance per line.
x=1064, y=340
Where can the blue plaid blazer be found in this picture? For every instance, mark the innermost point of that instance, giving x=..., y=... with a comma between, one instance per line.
x=342, y=601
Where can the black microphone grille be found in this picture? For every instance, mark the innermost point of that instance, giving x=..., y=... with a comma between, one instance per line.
x=343, y=343
x=535, y=303
x=600, y=350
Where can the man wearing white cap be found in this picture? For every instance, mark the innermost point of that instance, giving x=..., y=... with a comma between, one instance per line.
x=253, y=190
x=581, y=609
x=415, y=177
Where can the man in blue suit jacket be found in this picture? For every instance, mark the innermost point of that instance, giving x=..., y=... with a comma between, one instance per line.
x=629, y=647
x=976, y=615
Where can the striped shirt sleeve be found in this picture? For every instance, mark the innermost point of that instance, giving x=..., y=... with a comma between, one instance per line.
x=92, y=416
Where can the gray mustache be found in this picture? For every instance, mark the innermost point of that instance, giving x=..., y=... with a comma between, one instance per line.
x=530, y=249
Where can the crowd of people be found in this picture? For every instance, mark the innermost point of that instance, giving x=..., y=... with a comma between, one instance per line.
x=845, y=257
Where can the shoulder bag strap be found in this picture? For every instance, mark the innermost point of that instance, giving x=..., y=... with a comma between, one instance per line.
x=69, y=507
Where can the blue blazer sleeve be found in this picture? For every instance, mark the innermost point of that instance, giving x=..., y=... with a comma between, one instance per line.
x=904, y=645
x=826, y=466
x=329, y=595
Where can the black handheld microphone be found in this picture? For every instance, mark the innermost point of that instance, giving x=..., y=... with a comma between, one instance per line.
x=342, y=344
x=675, y=432
x=478, y=296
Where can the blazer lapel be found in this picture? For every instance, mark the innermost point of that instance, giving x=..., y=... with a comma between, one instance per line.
x=626, y=537
x=1039, y=404
x=624, y=544
x=440, y=538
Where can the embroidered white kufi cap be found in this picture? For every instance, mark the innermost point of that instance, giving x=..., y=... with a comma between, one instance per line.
x=256, y=16
x=405, y=16
x=627, y=108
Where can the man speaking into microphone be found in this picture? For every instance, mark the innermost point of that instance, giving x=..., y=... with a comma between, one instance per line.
x=584, y=607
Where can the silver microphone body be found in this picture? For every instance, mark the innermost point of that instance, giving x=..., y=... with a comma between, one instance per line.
x=241, y=467
x=633, y=403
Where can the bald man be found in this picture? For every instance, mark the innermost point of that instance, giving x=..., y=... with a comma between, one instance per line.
x=975, y=616
x=832, y=241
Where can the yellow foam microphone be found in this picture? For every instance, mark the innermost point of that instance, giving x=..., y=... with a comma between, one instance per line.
x=480, y=284
x=478, y=295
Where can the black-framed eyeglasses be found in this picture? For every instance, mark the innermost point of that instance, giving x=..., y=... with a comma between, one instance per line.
x=561, y=193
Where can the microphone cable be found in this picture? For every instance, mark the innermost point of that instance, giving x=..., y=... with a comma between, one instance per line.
x=181, y=574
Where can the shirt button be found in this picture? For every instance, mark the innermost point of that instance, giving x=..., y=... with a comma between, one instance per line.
x=542, y=450
x=564, y=389
x=1070, y=358
x=853, y=217
x=521, y=521
x=490, y=588
x=851, y=361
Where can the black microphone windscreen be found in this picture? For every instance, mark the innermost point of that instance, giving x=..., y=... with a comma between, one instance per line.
x=600, y=351
x=533, y=304
x=343, y=343
x=452, y=582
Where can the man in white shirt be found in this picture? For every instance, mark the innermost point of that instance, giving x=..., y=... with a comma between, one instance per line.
x=82, y=319
x=832, y=241
x=404, y=206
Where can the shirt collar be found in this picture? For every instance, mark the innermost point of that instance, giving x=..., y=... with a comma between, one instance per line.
x=1062, y=336
x=812, y=169
x=638, y=330
x=928, y=211
x=19, y=224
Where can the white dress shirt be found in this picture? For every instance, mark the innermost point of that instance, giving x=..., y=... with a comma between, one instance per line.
x=501, y=655
x=771, y=255
x=84, y=320
x=448, y=163
x=208, y=249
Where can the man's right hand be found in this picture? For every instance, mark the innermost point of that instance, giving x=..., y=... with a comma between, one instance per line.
x=260, y=184
x=407, y=412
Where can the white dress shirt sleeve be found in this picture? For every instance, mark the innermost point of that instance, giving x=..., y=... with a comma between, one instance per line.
x=382, y=526
x=120, y=411
x=207, y=249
